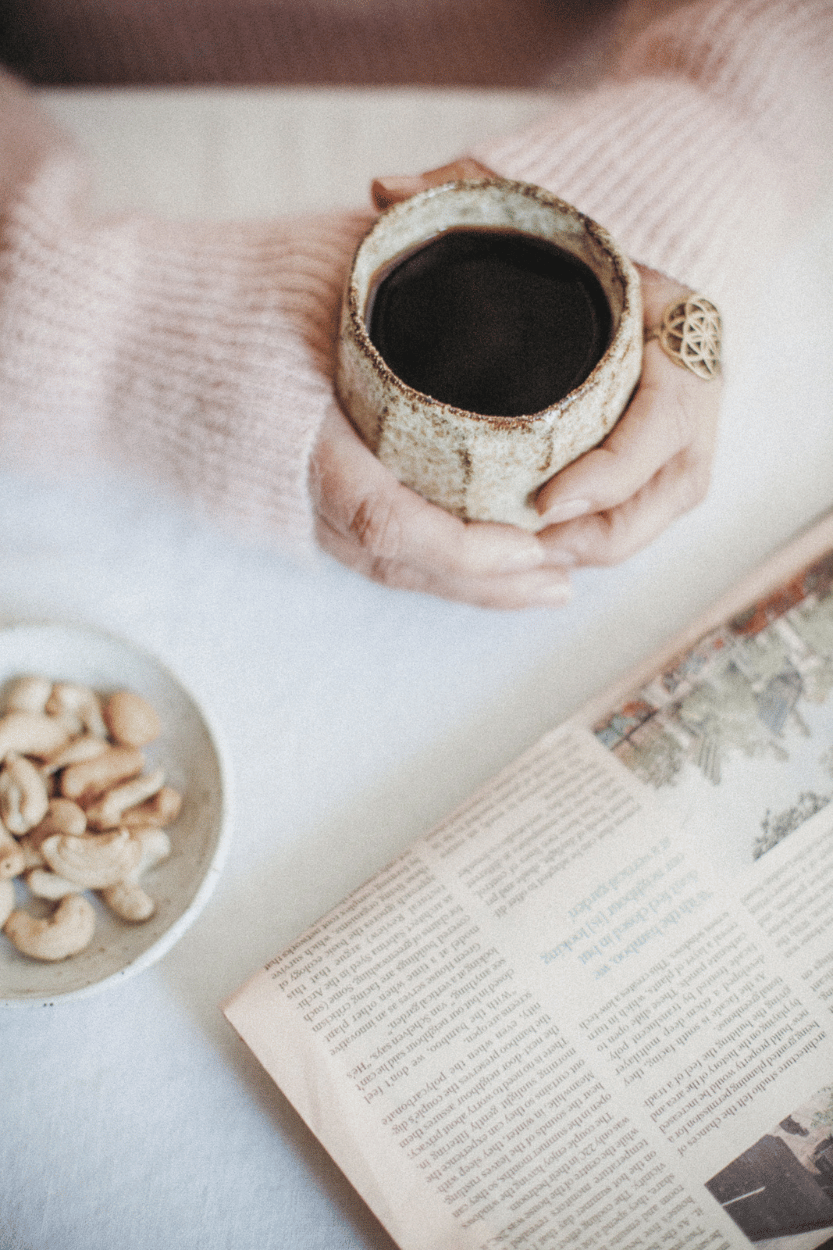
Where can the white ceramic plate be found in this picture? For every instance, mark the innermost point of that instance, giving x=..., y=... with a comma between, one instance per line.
x=189, y=752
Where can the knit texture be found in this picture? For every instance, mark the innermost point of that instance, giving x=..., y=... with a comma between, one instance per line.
x=201, y=355
x=198, y=355
x=704, y=151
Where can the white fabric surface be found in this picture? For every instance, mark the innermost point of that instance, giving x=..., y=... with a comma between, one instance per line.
x=354, y=717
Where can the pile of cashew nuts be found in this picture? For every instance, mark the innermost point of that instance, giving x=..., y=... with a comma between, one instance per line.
x=78, y=811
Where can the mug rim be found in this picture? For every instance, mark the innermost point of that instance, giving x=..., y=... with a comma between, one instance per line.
x=623, y=269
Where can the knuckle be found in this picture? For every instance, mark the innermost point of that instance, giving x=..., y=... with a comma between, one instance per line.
x=684, y=419
x=375, y=527
x=613, y=541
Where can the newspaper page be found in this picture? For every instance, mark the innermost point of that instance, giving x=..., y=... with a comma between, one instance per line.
x=591, y=1008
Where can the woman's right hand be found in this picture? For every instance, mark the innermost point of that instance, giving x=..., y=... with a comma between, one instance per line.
x=369, y=521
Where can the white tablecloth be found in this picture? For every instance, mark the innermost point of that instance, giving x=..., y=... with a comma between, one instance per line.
x=354, y=717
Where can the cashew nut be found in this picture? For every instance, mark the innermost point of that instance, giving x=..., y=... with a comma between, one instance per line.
x=23, y=797
x=107, y=812
x=129, y=901
x=67, y=931
x=7, y=901
x=88, y=780
x=127, y=898
x=78, y=706
x=28, y=694
x=160, y=810
x=92, y=860
x=130, y=719
x=156, y=847
x=31, y=733
x=62, y=816
x=87, y=747
x=12, y=858
x=30, y=848
x=44, y=883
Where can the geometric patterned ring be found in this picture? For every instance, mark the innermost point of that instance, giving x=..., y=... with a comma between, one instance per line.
x=690, y=334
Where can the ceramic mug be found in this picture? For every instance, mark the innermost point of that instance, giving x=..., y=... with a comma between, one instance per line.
x=475, y=465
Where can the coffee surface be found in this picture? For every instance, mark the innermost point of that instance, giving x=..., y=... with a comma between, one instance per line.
x=492, y=321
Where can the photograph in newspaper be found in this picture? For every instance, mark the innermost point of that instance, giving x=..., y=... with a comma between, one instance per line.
x=782, y=1185
x=737, y=734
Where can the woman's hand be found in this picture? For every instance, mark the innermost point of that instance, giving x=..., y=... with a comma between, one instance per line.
x=614, y=500
x=374, y=524
x=653, y=466
x=371, y=522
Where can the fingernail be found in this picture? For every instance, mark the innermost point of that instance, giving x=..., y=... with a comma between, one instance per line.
x=566, y=510
x=390, y=190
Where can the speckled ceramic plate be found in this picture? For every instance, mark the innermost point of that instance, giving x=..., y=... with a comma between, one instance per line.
x=189, y=751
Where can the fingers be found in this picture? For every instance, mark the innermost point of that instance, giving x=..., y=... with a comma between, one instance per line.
x=612, y=536
x=380, y=528
x=544, y=587
x=361, y=499
x=671, y=411
x=374, y=524
x=392, y=190
x=653, y=468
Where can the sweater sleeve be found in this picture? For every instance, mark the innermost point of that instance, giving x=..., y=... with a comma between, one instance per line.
x=200, y=354
x=702, y=151
x=196, y=354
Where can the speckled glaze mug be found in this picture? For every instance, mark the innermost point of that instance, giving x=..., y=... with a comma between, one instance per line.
x=477, y=466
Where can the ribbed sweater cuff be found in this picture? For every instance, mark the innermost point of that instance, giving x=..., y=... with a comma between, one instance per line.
x=677, y=178
x=198, y=355
x=704, y=149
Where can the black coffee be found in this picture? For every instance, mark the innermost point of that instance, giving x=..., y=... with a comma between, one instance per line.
x=491, y=321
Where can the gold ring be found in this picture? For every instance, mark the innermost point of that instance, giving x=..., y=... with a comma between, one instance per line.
x=690, y=335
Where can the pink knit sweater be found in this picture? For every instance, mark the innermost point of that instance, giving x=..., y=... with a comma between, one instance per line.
x=200, y=355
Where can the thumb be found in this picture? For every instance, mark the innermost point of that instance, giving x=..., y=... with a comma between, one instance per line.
x=392, y=190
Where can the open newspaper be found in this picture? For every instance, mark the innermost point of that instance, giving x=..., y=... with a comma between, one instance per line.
x=592, y=1008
